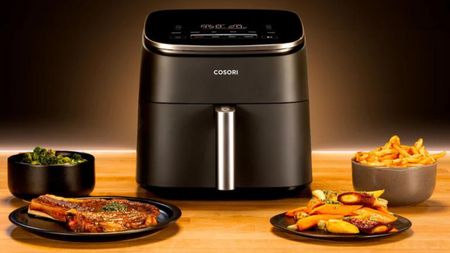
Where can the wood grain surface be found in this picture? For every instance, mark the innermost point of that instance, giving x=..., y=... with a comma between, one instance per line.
x=237, y=225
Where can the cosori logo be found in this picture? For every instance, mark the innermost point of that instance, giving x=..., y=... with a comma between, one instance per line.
x=226, y=72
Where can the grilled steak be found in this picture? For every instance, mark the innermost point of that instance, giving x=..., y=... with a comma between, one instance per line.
x=95, y=214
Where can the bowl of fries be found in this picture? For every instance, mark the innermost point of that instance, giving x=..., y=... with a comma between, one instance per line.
x=406, y=173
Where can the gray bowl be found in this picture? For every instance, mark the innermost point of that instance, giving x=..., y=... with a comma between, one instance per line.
x=402, y=186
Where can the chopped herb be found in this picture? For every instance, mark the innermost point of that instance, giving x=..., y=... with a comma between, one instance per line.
x=43, y=156
x=373, y=218
x=114, y=207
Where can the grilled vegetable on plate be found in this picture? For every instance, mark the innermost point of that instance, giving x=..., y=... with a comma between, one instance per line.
x=341, y=215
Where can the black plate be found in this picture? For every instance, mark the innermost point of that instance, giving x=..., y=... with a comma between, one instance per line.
x=56, y=230
x=281, y=221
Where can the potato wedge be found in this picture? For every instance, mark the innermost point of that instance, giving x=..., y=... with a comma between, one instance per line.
x=341, y=227
x=311, y=221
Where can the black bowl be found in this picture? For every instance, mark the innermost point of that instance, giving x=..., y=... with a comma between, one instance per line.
x=27, y=181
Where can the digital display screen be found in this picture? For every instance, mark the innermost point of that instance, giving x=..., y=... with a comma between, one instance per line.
x=223, y=27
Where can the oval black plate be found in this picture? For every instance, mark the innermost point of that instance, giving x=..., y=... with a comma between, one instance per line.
x=56, y=230
x=281, y=221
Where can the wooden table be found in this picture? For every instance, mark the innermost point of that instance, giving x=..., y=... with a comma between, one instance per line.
x=238, y=226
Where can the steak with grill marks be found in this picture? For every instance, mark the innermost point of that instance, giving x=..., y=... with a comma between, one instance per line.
x=95, y=214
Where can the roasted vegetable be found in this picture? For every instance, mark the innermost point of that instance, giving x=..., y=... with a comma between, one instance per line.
x=379, y=202
x=293, y=212
x=377, y=193
x=340, y=227
x=313, y=203
x=320, y=195
x=42, y=156
x=335, y=209
x=381, y=229
x=311, y=221
x=375, y=215
x=301, y=215
x=344, y=213
x=357, y=198
x=369, y=226
x=326, y=196
x=382, y=209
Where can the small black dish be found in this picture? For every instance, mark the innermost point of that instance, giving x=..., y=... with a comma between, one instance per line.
x=27, y=181
x=281, y=222
x=56, y=230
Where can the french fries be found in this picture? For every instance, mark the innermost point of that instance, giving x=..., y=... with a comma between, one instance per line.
x=344, y=213
x=394, y=154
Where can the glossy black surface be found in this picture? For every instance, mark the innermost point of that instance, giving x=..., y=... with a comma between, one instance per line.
x=190, y=79
x=281, y=222
x=27, y=181
x=56, y=230
x=223, y=27
x=177, y=145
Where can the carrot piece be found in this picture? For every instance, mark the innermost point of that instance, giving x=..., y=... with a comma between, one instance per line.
x=382, y=209
x=335, y=209
x=293, y=212
x=381, y=229
x=313, y=220
x=313, y=203
x=393, y=230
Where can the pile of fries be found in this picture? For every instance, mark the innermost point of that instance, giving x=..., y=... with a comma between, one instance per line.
x=344, y=213
x=394, y=154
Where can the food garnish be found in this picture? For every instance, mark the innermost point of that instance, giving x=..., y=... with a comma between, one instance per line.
x=43, y=156
x=114, y=206
x=394, y=154
x=344, y=213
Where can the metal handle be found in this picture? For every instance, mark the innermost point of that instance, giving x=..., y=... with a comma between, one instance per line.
x=225, y=147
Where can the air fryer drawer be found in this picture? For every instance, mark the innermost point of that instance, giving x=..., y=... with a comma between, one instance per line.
x=177, y=145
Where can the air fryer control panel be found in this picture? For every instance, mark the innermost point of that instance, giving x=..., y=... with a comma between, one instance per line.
x=223, y=27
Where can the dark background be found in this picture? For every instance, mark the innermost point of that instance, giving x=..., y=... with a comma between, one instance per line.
x=70, y=70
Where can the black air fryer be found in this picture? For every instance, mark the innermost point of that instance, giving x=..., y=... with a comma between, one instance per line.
x=223, y=102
